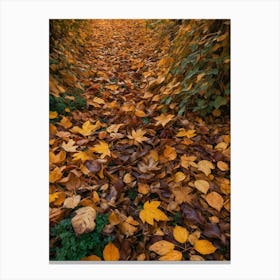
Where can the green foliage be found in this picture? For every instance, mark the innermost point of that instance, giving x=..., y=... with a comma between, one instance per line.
x=59, y=104
x=200, y=52
x=68, y=246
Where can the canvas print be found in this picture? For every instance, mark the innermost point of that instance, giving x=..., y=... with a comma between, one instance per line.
x=139, y=140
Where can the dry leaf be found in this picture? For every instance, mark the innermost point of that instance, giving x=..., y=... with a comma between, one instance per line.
x=138, y=136
x=180, y=234
x=114, y=128
x=162, y=247
x=91, y=258
x=223, y=166
x=129, y=226
x=186, y=161
x=150, y=166
x=163, y=119
x=87, y=129
x=169, y=153
x=202, y=185
x=55, y=175
x=215, y=200
x=72, y=202
x=179, y=177
x=53, y=115
x=173, y=255
x=57, y=158
x=83, y=222
x=143, y=188
x=114, y=219
x=205, y=166
x=102, y=148
x=69, y=146
x=193, y=237
x=83, y=156
x=204, y=247
x=65, y=122
x=151, y=212
x=182, y=194
x=111, y=252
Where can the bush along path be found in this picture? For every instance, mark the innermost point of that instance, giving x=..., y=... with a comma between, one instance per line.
x=139, y=140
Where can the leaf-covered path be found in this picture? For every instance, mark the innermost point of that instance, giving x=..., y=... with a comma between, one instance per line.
x=129, y=178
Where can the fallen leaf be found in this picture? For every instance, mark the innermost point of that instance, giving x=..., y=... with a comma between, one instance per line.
x=55, y=175
x=223, y=166
x=138, y=136
x=83, y=221
x=193, y=237
x=186, y=133
x=53, y=115
x=91, y=258
x=148, y=167
x=140, y=113
x=65, y=122
x=186, y=161
x=180, y=234
x=215, y=200
x=205, y=166
x=151, y=212
x=143, y=188
x=102, y=148
x=98, y=100
x=72, y=202
x=162, y=247
x=112, y=87
x=129, y=226
x=204, y=247
x=179, y=177
x=202, y=186
x=69, y=146
x=86, y=129
x=183, y=194
x=111, y=252
x=163, y=119
x=57, y=158
x=169, y=153
x=114, y=219
x=196, y=258
x=114, y=128
x=127, y=178
x=173, y=255
x=83, y=156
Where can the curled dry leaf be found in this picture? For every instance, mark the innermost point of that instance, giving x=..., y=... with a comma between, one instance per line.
x=148, y=167
x=111, y=252
x=84, y=220
x=204, y=247
x=83, y=156
x=215, y=200
x=202, y=186
x=180, y=234
x=162, y=247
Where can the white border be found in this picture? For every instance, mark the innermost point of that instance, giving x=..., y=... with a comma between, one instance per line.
x=255, y=138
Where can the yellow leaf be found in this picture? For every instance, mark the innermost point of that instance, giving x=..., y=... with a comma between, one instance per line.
x=204, y=247
x=98, y=100
x=223, y=166
x=151, y=213
x=55, y=175
x=173, y=255
x=188, y=133
x=95, y=197
x=91, y=258
x=163, y=119
x=112, y=87
x=202, y=185
x=57, y=198
x=169, y=153
x=72, y=202
x=111, y=252
x=83, y=222
x=127, y=178
x=102, y=148
x=205, y=166
x=140, y=113
x=153, y=154
x=129, y=226
x=87, y=128
x=162, y=247
x=221, y=146
x=114, y=219
x=180, y=234
x=83, y=156
x=65, y=122
x=69, y=146
x=138, y=135
x=199, y=77
x=143, y=188
x=215, y=200
x=57, y=158
x=179, y=177
x=53, y=115
x=186, y=162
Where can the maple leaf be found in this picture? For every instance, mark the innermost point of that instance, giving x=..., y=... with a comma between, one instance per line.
x=151, y=213
x=188, y=133
x=102, y=148
x=65, y=122
x=150, y=166
x=111, y=252
x=138, y=135
x=87, y=128
x=114, y=128
x=83, y=222
x=182, y=194
x=69, y=146
x=163, y=119
x=55, y=175
x=83, y=156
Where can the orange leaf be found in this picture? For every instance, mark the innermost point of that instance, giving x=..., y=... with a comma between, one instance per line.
x=169, y=153
x=138, y=135
x=111, y=252
x=223, y=166
x=205, y=166
x=202, y=185
x=102, y=148
x=173, y=255
x=215, y=200
x=163, y=119
x=180, y=234
x=91, y=258
x=204, y=247
x=65, y=122
x=55, y=175
x=179, y=177
x=162, y=247
x=151, y=212
x=53, y=115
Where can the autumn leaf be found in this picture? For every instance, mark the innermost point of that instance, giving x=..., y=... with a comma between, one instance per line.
x=162, y=247
x=53, y=115
x=55, y=175
x=91, y=258
x=186, y=161
x=204, y=247
x=72, y=202
x=98, y=100
x=102, y=148
x=151, y=165
x=215, y=200
x=202, y=185
x=179, y=177
x=83, y=156
x=86, y=129
x=138, y=135
x=169, y=153
x=57, y=158
x=180, y=234
x=205, y=166
x=65, y=122
x=112, y=87
x=163, y=119
x=151, y=213
x=83, y=221
x=111, y=252
x=140, y=113
x=57, y=198
x=69, y=146
x=188, y=133
x=114, y=128
x=182, y=194
x=143, y=188
x=173, y=255
x=129, y=226
x=223, y=166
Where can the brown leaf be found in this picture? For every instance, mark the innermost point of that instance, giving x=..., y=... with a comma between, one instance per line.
x=72, y=202
x=215, y=200
x=202, y=185
x=169, y=153
x=162, y=247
